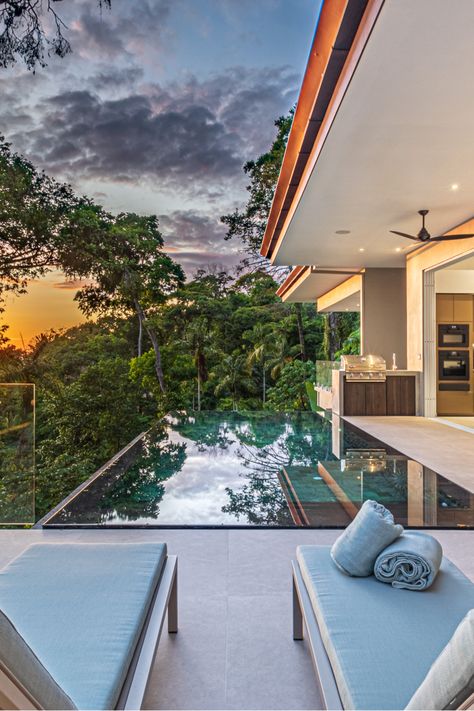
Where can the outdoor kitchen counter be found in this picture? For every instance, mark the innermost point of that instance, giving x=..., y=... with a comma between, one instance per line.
x=415, y=373
x=397, y=395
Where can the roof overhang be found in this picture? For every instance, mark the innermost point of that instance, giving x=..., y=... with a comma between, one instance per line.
x=344, y=297
x=396, y=136
x=307, y=284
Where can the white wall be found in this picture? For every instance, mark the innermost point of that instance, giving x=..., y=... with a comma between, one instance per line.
x=454, y=281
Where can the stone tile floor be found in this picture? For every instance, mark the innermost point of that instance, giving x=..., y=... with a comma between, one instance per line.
x=234, y=649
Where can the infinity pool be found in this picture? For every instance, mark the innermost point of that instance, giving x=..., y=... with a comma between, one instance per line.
x=260, y=469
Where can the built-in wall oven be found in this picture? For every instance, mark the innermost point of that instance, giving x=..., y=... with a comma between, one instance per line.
x=453, y=365
x=453, y=335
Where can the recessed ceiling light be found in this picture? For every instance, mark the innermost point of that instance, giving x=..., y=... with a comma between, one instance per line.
x=398, y=249
x=342, y=232
x=361, y=249
x=455, y=186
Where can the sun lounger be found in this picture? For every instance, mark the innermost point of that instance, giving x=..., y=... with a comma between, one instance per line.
x=373, y=645
x=81, y=624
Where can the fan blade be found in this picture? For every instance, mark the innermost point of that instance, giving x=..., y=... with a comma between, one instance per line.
x=446, y=238
x=403, y=234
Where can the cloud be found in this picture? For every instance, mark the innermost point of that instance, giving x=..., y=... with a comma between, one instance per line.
x=109, y=78
x=130, y=29
x=71, y=284
x=196, y=240
x=193, y=136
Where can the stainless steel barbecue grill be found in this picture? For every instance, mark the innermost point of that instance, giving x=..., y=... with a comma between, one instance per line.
x=364, y=369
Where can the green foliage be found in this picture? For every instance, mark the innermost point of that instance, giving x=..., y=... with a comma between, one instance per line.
x=158, y=344
x=248, y=225
x=351, y=344
x=289, y=393
x=34, y=210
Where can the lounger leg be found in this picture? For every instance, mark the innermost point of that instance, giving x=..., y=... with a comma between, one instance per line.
x=173, y=606
x=297, y=615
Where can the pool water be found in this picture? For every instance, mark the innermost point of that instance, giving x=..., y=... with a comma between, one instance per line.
x=261, y=469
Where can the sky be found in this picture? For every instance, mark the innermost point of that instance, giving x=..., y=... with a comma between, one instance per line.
x=156, y=111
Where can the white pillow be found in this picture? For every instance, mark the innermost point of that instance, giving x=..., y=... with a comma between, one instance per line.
x=450, y=680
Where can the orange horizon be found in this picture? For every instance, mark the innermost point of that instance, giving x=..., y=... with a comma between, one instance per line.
x=48, y=304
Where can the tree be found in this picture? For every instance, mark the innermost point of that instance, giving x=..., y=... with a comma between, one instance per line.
x=34, y=211
x=232, y=374
x=23, y=33
x=289, y=393
x=131, y=273
x=338, y=327
x=197, y=337
x=248, y=225
x=282, y=354
x=262, y=338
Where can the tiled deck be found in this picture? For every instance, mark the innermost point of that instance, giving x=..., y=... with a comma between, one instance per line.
x=462, y=423
x=448, y=451
x=234, y=649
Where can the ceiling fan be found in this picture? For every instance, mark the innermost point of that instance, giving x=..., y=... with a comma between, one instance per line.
x=424, y=236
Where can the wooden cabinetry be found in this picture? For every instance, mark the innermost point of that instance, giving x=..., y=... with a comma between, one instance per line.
x=462, y=308
x=354, y=398
x=375, y=399
x=445, y=308
x=454, y=308
x=395, y=396
x=452, y=397
x=401, y=395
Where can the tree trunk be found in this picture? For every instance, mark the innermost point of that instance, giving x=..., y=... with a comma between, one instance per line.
x=156, y=346
x=299, y=321
x=199, y=391
x=334, y=335
x=158, y=365
x=140, y=336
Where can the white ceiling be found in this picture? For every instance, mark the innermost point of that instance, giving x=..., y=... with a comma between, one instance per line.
x=402, y=136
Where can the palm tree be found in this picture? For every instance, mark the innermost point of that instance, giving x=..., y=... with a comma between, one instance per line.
x=282, y=353
x=197, y=337
x=263, y=341
x=233, y=375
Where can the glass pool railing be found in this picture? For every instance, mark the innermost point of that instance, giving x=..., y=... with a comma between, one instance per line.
x=17, y=454
x=324, y=370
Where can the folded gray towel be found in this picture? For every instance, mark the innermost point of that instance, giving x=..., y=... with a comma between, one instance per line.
x=411, y=562
x=372, y=530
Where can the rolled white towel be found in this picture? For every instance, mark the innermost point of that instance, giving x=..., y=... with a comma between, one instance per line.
x=357, y=548
x=411, y=562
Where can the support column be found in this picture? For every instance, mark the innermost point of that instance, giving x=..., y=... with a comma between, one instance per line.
x=383, y=314
x=429, y=344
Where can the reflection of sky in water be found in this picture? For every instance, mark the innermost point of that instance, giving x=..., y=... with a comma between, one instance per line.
x=213, y=469
x=197, y=493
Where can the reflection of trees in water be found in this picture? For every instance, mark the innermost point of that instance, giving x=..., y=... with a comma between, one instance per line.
x=209, y=430
x=133, y=487
x=218, y=430
x=297, y=439
x=264, y=442
x=395, y=479
x=139, y=491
